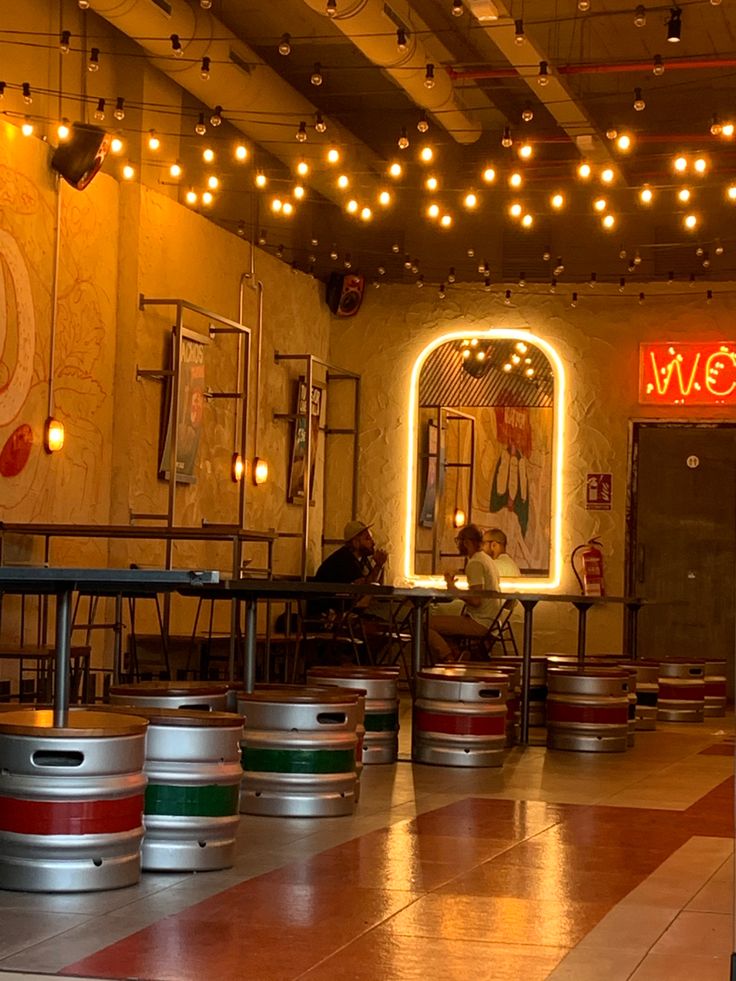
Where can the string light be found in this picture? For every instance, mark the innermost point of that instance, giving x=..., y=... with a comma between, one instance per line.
x=26, y=89
x=658, y=65
x=65, y=41
x=639, y=103
x=176, y=47
x=640, y=16
x=200, y=128
x=506, y=139
x=204, y=71
x=403, y=140
x=423, y=123
x=119, y=110
x=519, y=36
x=301, y=133
x=154, y=143
x=543, y=76
x=457, y=8
x=331, y=9
x=674, y=25
x=285, y=45
x=429, y=76
x=93, y=65
x=527, y=113
x=216, y=117
x=99, y=113
x=63, y=130
x=320, y=125
x=316, y=77
x=241, y=152
x=208, y=154
x=401, y=39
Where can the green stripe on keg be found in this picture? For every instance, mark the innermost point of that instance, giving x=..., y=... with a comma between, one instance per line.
x=298, y=760
x=381, y=721
x=211, y=801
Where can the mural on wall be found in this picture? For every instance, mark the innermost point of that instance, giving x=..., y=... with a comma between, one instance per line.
x=515, y=472
x=34, y=485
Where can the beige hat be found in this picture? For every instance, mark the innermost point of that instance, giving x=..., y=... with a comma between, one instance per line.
x=353, y=529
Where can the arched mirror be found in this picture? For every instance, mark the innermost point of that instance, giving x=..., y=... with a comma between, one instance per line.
x=487, y=421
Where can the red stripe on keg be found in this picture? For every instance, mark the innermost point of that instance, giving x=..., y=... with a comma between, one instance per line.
x=461, y=725
x=716, y=689
x=563, y=712
x=684, y=693
x=91, y=817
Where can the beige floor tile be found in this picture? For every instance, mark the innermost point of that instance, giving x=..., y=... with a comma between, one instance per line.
x=717, y=895
x=692, y=933
x=676, y=967
x=599, y=963
x=631, y=925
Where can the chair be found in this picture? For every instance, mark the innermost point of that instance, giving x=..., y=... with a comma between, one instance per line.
x=499, y=632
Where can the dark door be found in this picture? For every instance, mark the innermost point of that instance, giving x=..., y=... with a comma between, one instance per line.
x=683, y=539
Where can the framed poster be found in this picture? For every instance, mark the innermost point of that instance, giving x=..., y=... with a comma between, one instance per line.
x=297, y=469
x=190, y=373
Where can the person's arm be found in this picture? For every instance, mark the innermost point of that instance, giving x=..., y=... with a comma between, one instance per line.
x=474, y=572
x=375, y=574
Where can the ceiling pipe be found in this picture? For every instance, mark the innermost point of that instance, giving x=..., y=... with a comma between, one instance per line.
x=240, y=81
x=373, y=31
x=670, y=64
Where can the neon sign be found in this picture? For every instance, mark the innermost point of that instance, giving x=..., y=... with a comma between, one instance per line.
x=688, y=374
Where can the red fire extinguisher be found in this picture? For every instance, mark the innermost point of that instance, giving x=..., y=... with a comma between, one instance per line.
x=591, y=582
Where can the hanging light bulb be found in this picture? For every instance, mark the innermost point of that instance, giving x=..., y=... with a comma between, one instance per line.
x=116, y=145
x=119, y=110
x=241, y=152
x=403, y=141
x=522, y=279
x=429, y=76
x=574, y=300
x=285, y=45
x=204, y=71
x=83, y=4
x=316, y=77
x=331, y=9
x=64, y=41
x=205, y=4
x=583, y=5
x=175, y=170
x=624, y=142
x=674, y=25
x=527, y=113
x=128, y=171
x=506, y=139
x=646, y=195
x=63, y=130
x=301, y=133
x=639, y=103
x=441, y=294
x=154, y=143
x=176, y=47
x=640, y=16
x=658, y=65
x=423, y=124
x=27, y=127
x=320, y=125
x=457, y=8
x=93, y=65
x=200, y=128
x=519, y=36
x=26, y=89
x=526, y=151
x=99, y=114
x=489, y=175
x=401, y=39
x=216, y=117
x=543, y=76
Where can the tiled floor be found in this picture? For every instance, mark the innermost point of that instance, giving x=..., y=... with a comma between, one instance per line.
x=573, y=867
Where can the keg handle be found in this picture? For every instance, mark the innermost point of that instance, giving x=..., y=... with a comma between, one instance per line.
x=331, y=718
x=57, y=757
x=197, y=708
x=489, y=693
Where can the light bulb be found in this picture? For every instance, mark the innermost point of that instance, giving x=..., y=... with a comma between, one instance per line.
x=27, y=97
x=640, y=16
x=316, y=77
x=200, y=128
x=646, y=195
x=366, y=214
x=395, y=170
x=543, y=76
x=457, y=8
x=384, y=198
x=175, y=170
x=154, y=143
x=423, y=124
x=27, y=127
x=429, y=76
x=176, y=47
x=128, y=171
x=527, y=113
x=119, y=111
x=93, y=65
x=285, y=45
x=519, y=36
x=301, y=133
x=401, y=39
x=331, y=9
x=333, y=155
x=557, y=201
x=624, y=142
x=237, y=468
x=216, y=117
x=207, y=197
x=63, y=130
x=639, y=103
x=584, y=171
x=213, y=182
x=53, y=435
x=471, y=200
x=527, y=221
x=99, y=114
x=526, y=151
x=260, y=179
x=116, y=145
x=403, y=140
x=204, y=71
x=506, y=139
x=298, y=192
x=343, y=181
x=489, y=175
x=446, y=221
x=260, y=470
x=658, y=65
x=241, y=152
x=426, y=154
x=680, y=164
x=320, y=125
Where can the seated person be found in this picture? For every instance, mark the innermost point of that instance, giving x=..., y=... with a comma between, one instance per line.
x=494, y=544
x=357, y=561
x=478, y=613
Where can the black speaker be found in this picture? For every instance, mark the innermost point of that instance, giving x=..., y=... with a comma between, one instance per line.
x=345, y=293
x=80, y=157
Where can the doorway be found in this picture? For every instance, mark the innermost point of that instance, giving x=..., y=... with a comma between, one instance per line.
x=682, y=539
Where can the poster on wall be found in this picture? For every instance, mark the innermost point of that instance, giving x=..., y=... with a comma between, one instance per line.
x=190, y=373
x=434, y=471
x=297, y=469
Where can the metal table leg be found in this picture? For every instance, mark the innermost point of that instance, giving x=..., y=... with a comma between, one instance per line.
x=249, y=673
x=526, y=653
x=416, y=643
x=582, y=607
x=61, y=692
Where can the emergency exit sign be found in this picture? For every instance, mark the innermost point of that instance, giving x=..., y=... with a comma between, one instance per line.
x=692, y=373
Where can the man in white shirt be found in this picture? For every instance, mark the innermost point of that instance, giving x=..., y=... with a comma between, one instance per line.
x=494, y=544
x=478, y=612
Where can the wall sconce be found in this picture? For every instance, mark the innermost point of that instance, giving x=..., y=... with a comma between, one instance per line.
x=458, y=518
x=53, y=435
x=236, y=468
x=260, y=470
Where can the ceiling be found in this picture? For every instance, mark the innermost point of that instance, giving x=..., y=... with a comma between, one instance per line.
x=484, y=81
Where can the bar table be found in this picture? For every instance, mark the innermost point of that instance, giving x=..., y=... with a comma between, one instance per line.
x=61, y=583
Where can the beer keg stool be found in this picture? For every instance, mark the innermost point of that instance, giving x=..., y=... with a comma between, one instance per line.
x=71, y=801
x=204, y=695
x=459, y=719
x=715, y=687
x=299, y=751
x=191, y=814
x=647, y=693
x=537, y=684
x=381, y=706
x=513, y=696
x=681, y=690
x=587, y=710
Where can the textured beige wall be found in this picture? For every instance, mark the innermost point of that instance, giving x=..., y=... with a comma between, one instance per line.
x=598, y=342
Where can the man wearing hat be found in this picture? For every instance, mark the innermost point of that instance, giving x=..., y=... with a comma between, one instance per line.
x=357, y=561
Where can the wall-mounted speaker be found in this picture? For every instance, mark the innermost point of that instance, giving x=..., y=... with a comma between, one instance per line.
x=80, y=157
x=345, y=293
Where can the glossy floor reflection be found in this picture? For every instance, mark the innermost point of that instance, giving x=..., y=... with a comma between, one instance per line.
x=559, y=865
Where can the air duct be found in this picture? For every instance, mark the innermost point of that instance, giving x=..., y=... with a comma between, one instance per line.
x=372, y=29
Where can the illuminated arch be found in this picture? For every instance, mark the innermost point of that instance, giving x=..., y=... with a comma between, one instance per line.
x=552, y=581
